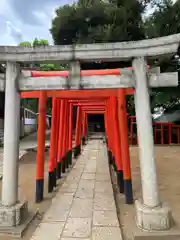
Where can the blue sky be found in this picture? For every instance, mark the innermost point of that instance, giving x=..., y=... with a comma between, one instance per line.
x=23, y=20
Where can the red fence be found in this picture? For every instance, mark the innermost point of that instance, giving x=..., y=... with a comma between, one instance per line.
x=164, y=132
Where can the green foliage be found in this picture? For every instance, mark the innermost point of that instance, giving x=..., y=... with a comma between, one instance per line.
x=52, y=67
x=33, y=103
x=25, y=44
x=98, y=21
x=41, y=42
x=165, y=21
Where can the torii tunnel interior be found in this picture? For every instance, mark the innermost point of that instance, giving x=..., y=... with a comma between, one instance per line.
x=76, y=114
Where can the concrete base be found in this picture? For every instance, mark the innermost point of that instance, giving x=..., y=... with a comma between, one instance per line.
x=18, y=231
x=13, y=216
x=153, y=219
x=173, y=234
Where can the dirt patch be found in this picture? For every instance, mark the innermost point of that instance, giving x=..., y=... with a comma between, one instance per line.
x=168, y=169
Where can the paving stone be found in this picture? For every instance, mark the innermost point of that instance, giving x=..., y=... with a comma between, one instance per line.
x=79, y=166
x=59, y=209
x=81, y=208
x=104, y=187
x=78, y=228
x=65, y=200
x=86, y=184
x=104, y=202
x=105, y=218
x=93, y=157
x=56, y=214
x=71, y=187
x=48, y=231
x=88, y=176
x=84, y=193
x=59, y=194
x=103, y=177
x=102, y=170
x=90, y=167
x=106, y=233
x=76, y=173
x=75, y=238
x=73, y=179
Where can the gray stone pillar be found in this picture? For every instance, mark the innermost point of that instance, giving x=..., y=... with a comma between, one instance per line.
x=151, y=214
x=11, y=137
x=75, y=75
x=10, y=207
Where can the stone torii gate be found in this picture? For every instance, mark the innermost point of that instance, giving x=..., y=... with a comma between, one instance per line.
x=151, y=214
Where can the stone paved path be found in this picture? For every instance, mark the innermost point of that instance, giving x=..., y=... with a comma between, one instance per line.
x=84, y=207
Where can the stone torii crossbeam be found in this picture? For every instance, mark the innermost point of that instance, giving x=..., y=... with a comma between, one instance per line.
x=151, y=214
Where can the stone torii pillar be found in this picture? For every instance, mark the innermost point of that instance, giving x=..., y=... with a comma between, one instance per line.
x=11, y=210
x=151, y=214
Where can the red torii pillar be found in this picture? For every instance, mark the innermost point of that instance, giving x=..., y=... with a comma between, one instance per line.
x=109, y=139
x=123, y=132
x=84, y=128
x=60, y=140
x=64, y=143
x=117, y=153
x=70, y=138
x=41, y=147
x=57, y=140
x=53, y=149
x=67, y=137
x=77, y=148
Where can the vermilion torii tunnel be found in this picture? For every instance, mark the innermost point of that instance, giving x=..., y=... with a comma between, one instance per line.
x=92, y=102
x=62, y=135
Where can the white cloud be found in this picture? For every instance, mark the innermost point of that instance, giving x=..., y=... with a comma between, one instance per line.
x=23, y=20
x=14, y=32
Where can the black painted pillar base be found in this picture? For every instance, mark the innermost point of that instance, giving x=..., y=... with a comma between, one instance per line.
x=128, y=191
x=70, y=157
x=77, y=151
x=55, y=178
x=50, y=182
x=39, y=190
x=67, y=160
x=58, y=170
x=83, y=141
x=63, y=165
x=110, y=157
x=114, y=163
x=120, y=180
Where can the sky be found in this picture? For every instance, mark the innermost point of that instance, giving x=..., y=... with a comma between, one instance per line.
x=24, y=20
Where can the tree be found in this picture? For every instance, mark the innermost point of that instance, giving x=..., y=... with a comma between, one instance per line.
x=25, y=44
x=98, y=21
x=165, y=21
